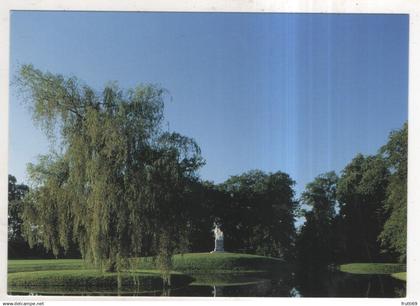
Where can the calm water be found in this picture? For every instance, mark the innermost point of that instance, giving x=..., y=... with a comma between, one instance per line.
x=327, y=284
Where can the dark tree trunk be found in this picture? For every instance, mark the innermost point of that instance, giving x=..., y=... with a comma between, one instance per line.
x=112, y=265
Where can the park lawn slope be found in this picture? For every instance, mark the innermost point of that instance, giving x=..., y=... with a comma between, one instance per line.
x=26, y=265
x=223, y=269
x=400, y=275
x=373, y=268
x=77, y=280
x=189, y=262
x=73, y=276
x=201, y=268
x=217, y=263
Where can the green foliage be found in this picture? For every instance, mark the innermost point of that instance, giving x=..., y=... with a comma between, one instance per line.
x=204, y=203
x=315, y=244
x=394, y=235
x=17, y=247
x=16, y=192
x=372, y=268
x=320, y=195
x=257, y=213
x=361, y=192
x=117, y=185
x=371, y=223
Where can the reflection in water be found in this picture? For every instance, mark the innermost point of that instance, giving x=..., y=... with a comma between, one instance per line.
x=217, y=291
x=340, y=284
x=319, y=284
x=327, y=284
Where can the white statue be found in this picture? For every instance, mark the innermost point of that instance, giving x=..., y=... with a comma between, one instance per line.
x=218, y=239
x=218, y=234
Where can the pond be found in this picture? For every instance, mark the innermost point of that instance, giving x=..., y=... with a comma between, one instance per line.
x=329, y=284
x=326, y=284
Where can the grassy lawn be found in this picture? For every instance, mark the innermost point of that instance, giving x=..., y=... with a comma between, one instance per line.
x=201, y=268
x=190, y=262
x=373, y=268
x=26, y=265
x=400, y=275
x=217, y=263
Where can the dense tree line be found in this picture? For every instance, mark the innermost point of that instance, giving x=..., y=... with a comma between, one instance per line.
x=361, y=215
x=119, y=186
x=393, y=237
x=18, y=247
x=314, y=241
x=255, y=211
x=259, y=213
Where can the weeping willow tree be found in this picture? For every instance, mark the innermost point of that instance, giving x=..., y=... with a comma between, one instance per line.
x=114, y=182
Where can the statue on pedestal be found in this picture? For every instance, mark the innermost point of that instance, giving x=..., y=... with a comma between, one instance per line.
x=218, y=239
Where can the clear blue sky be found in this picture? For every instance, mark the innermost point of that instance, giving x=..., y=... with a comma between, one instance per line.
x=298, y=93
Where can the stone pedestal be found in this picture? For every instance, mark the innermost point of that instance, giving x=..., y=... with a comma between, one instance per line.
x=218, y=246
x=218, y=240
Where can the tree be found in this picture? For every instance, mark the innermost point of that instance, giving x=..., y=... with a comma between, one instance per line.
x=258, y=213
x=116, y=186
x=16, y=193
x=204, y=206
x=361, y=192
x=320, y=196
x=315, y=242
x=394, y=234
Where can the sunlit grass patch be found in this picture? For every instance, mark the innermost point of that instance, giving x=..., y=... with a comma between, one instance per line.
x=400, y=275
x=373, y=268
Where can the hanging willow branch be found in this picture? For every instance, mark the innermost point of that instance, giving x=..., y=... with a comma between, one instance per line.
x=117, y=189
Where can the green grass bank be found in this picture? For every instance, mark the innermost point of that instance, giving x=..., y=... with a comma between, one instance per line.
x=190, y=262
x=27, y=265
x=216, y=262
x=376, y=268
x=199, y=268
x=400, y=275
